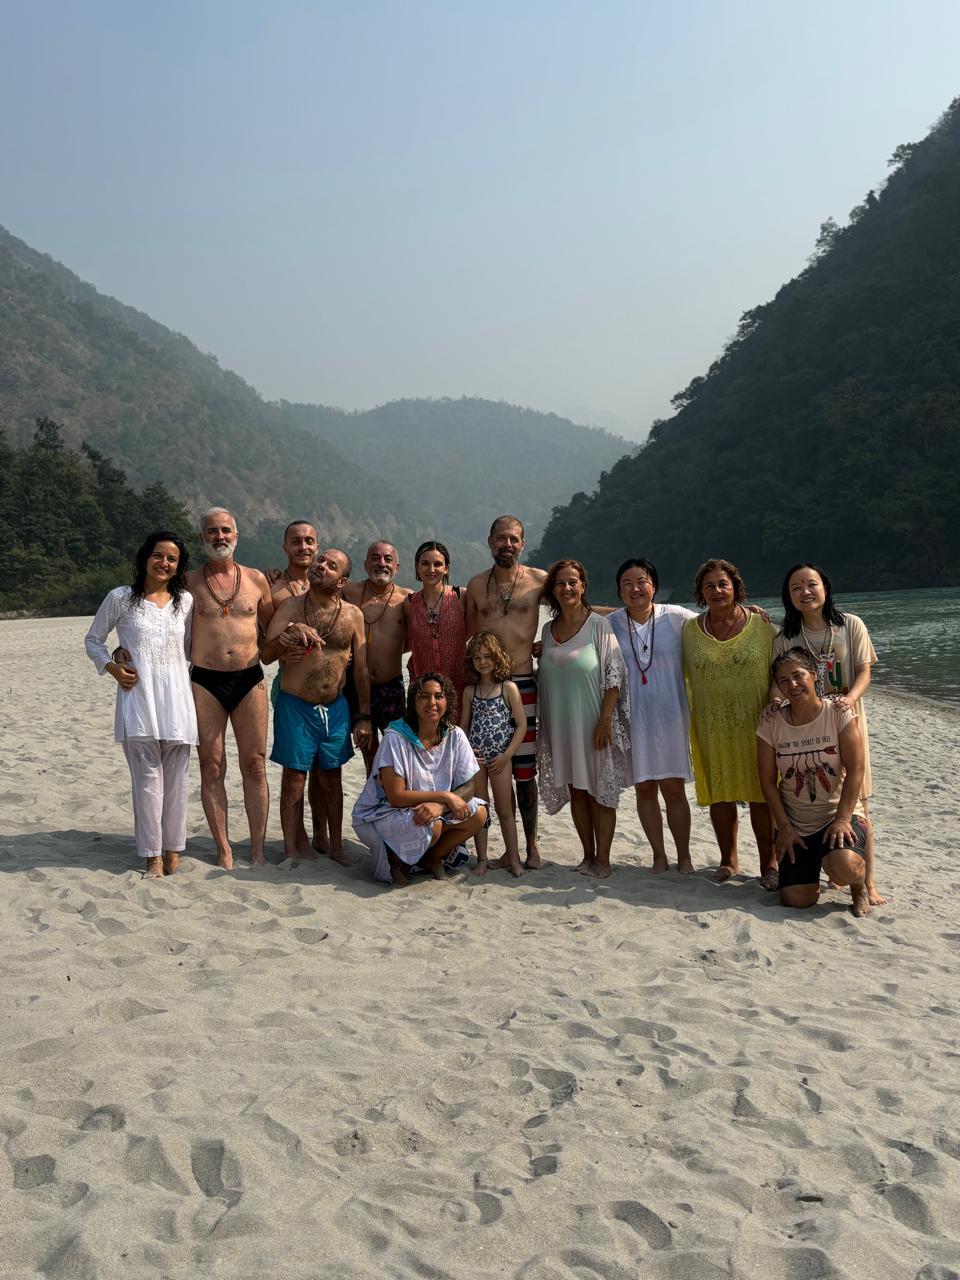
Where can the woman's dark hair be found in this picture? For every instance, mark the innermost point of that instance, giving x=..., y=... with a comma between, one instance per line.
x=431, y=546
x=792, y=617
x=802, y=657
x=177, y=584
x=649, y=568
x=548, y=593
x=723, y=566
x=449, y=692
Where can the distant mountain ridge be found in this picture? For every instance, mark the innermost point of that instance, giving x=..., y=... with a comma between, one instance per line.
x=829, y=427
x=150, y=400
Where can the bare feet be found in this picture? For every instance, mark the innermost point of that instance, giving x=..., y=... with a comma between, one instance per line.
x=685, y=866
x=337, y=855
x=724, y=872
x=600, y=870
x=320, y=844
x=874, y=896
x=514, y=867
x=304, y=851
x=660, y=865
x=257, y=859
x=585, y=868
x=154, y=869
x=483, y=867
x=225, y=860
x=170, y=863
x=533, y=861
x=770, y=880
x=400, y=879
x=861, y=900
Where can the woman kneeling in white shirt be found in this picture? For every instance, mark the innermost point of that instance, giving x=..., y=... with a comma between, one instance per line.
x=155, y=721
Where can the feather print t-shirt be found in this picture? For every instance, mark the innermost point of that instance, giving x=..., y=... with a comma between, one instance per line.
x=811, y=771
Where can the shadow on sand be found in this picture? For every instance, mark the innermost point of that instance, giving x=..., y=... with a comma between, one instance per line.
x=557, y=885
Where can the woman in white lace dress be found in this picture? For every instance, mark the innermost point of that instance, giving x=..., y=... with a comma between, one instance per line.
x=583, y=732
x=155, y=720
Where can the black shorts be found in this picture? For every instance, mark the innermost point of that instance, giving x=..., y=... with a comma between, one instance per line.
x=388, y=701
x=805, y=869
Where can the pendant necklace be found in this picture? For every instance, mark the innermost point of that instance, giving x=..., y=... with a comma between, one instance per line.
x=370, y=623
x=317, y=621
x=503, y=599
x=633, y=629
x=297, y=588
x=433, y=611
x=825, y=658
x=223, y=601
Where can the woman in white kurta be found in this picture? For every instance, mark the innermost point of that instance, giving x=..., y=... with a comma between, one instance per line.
x=155, y=719
x=650, y=636
x=583, y=730
x=413, y=809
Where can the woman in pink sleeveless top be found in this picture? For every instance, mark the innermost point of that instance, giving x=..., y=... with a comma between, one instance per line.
x=436, y=627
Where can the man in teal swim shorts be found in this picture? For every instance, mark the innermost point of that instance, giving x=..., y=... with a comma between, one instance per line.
x=317, y=635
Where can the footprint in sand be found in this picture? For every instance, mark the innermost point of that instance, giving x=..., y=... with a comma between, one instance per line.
x=215, y=1171
x=110, y=1116
x=33, y=1171
x=644, y=1222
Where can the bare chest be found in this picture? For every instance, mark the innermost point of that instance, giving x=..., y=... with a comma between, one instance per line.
x=216, y=604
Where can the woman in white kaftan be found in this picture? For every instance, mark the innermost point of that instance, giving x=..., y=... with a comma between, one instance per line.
x=582, y=710
x=651, y=641
x=410, y=811
x=155, y=719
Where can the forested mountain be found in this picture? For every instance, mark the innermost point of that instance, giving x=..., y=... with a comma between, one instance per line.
x=828, y=428
x=70, y=524
x=467, y=461
x=149, y=400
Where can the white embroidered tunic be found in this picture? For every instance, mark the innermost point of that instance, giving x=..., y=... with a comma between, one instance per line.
x=573, y=679
x=160, y=705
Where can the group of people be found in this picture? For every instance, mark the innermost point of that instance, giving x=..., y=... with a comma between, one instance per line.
x=647, y=695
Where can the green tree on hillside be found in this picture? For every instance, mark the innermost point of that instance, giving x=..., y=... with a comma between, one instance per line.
x=70, y=524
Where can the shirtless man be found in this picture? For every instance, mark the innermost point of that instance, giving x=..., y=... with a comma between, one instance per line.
x=317, y=635
x=300, y=548
x=381, y=602
x=231, y=603
x=506, y=601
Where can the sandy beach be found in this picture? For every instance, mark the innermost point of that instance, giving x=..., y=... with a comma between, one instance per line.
x=285, y=1073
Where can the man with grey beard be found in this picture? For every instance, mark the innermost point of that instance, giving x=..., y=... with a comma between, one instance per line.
x=232, y=606
x=380, y=601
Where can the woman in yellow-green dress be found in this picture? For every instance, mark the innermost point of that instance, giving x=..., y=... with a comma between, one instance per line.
x=726, y=657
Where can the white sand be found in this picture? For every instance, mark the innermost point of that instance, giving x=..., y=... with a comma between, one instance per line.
x=301, y=1073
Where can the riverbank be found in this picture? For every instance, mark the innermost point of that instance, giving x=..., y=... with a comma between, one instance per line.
x=302, y=1073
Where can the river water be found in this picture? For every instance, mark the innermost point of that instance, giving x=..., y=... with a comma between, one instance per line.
x=916, y=635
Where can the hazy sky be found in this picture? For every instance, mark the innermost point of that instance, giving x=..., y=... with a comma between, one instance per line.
x=565, y=205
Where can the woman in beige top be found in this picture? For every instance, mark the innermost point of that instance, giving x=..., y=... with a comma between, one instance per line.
x=841, y=646
x=810, y=762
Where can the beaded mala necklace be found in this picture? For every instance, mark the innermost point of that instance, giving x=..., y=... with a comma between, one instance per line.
x=223, y=601
x=631, y=626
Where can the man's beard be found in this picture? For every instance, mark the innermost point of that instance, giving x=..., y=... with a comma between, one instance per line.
x=506, y=559
x=219, y=553
x=380, y=575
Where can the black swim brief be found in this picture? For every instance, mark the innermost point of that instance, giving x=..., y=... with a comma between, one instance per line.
x=805, y=869
x=388, y=701
x=228, y=687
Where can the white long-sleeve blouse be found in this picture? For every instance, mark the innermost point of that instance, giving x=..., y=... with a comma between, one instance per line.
x=160, y=705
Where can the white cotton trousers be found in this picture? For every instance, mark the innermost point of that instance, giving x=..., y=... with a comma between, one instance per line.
x=158, y=772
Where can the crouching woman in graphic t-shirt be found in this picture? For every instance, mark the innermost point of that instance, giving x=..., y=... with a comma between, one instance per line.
x=814, y=746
